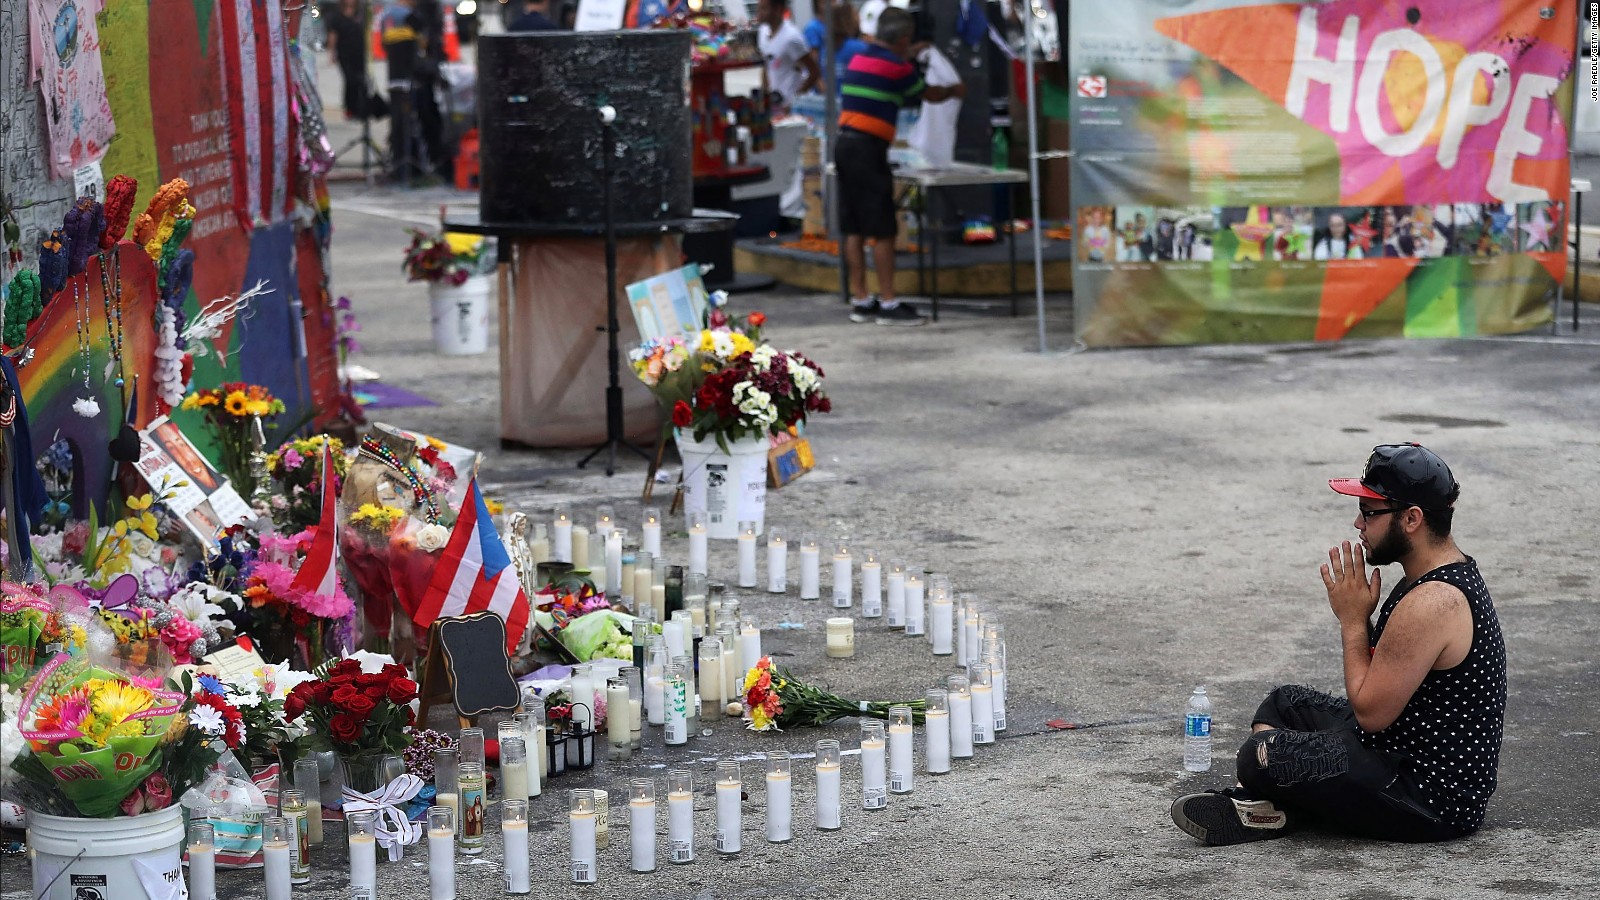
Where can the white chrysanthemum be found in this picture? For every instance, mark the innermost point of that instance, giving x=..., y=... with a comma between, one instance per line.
x=195, y=602
x=803, y=376
x=11, y=744
x=207, y=720
x=722, y=344
x=763, y=356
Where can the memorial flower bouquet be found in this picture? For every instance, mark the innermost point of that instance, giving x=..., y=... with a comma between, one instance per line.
x=447, y=258
x=775, y=699
x=296, y=472
x=291, y=621
x=231, y=412
x=354, y=712
x=31, y=623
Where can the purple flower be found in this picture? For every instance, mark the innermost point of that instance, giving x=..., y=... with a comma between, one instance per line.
x=292, y=459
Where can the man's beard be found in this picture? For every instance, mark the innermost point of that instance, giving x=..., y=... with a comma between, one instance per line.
x=1392, y=546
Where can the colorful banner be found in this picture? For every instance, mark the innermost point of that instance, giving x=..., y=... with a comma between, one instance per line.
x=1311, y=171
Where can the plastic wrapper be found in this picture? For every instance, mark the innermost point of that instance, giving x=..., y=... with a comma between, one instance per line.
x=234, y=805
x=602, y=633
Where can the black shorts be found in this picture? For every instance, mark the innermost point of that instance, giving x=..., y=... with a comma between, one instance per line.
x=866, y=186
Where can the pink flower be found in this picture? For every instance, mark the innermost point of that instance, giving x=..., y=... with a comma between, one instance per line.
x=291, y=459
x=157, y=792
x=133, y=804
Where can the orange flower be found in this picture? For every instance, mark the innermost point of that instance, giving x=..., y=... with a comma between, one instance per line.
x=757, y=319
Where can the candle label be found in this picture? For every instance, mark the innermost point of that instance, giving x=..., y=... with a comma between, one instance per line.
x=365, y=891
x=999, y=719
x=727, y=842
x=979, y=732
x=472, y=814
x=682, y=852
x=899, y=782
x=874, y=797
x=582, y=872
x=300, y=849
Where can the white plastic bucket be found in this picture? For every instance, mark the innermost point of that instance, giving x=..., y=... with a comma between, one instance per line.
x=460, y=316
x=730, y=487
x=107, y=859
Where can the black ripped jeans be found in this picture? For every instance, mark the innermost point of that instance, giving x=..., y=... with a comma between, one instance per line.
x=1317, y=769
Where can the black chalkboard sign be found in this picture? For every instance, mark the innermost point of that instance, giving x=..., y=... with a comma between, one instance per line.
x=470, y=653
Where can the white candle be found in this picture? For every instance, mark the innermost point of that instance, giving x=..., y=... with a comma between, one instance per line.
x=561, y=531
x=363, y=867
x=982, y=706
x=604, y=521
x=780, y=799
x=712, y=684
x=960, y=718
x=582, y=692
x=441, y=853
x=698, y=538
x=642, y=832
x=533, y=746
x=998, y=677
x=674, y=636
x=916, y=616
x=730, y=812
x=747, y=554
x=580, y=547
x=936, y=735
x=618, y=725
x=901, y=765
x=202, y=870
x=518, y=864
x=777, y=562
x=897, y=594
x=843, y=578
x=636, y=719
x=871, y=585
x=943, y=626
x=614, y=562
x=276, y=856
x=514, y=778
x=841, y=637
x=677, y=703
x=582, y=825
x=732, y=675
x=650, y=542
x=749, y=645
x=828, y=811
x=658, y=599
x=680, y=826
x=641, y=586
x=539, y=549
x=810, y=568
x=961, y=632
x=452, y=800
x=655, y=699
x=969, y=645
x=874, y=767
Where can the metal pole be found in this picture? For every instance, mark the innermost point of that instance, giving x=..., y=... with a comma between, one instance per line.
x=1033, y=174
x=613, y=388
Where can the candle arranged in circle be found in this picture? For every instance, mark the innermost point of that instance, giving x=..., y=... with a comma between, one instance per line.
x=936, y=732
x=777, y=561
x=514, y=829
x=581, y=826
x=874, y=766
x=747, y=554
x=841, y=637
x=982, y=705
x=916, y=615
x=203, y=861
x=828, y=785
x=810, y=567
x=680, y=816
x=843, y=576
x=871, y=584
x=897, y=593
x=363, y=839
x=780, y=805
x=642, y=824
x=698, y=540
x=942, y=612
x=901, y=766
x=960, y=690
x=441, y=853
x=730, y=812
x=650, y=531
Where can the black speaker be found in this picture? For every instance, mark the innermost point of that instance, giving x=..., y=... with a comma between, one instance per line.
x=539, y=96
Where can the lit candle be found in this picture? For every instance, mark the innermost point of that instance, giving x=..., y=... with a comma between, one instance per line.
x=982, y=704
x=441, y=853
x=532, y=725
x=871, y=585
x=841, y=637
x=901, y=765
x=642, y=823
x=810, y=567
x=732, y=675
x=916, y=614
x=680, y=816
x=275, y=839
x=561, y=544
x=747, y=554
x=730, y=812
x=936, y=732
x=514, y=768
x=960, y=717
x=942, y=630
x=711, y=681
x=203, y=862
x=874, y=767
x=446, y=789
x=961, y=605
x=472, y=807
x=292, y=805
x=828, y=812
x=634, y=679
x=970, y=646
x=777, y=561
x=363, y=839
x=308, y=780
x=614, y=582
x=997, y=679
x=618, y=720
x=655, y=685
x=582, y=824
x=659, y=570
x=582, y=697
x=749, y=646
x=698, y=537
x=604, y=520
x=514, y=828
x=651, y=541
x=539, y=548
x=677, y=706
x=780, y=798
x=843, y=576
x=641, y=582
x=897, y=594
x=580, y=547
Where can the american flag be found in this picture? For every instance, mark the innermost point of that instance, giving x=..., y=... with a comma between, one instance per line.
x=475, y=574
x=256, y=77
x=320, y=571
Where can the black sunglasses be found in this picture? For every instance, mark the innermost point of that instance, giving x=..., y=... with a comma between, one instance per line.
x=1367, y=514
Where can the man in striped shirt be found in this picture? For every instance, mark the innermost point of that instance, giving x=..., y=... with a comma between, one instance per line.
x=878, y=82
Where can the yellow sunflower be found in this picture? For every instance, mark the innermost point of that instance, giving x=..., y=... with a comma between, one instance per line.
x=257, y=407
x=236, y=404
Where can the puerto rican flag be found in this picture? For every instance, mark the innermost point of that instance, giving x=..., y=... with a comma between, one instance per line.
x=256, y=79
x=319, y=573
x=475, y=574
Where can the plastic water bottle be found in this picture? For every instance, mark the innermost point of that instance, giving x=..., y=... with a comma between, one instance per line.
x=1197, y=732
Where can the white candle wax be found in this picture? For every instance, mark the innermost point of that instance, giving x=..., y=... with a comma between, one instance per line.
x=583, y=827
x=843, y=581
x=871, y=590
x=452, y=800
x=276, y=858
x=642, y=833
x=635, y=719
x=777, y=566
x=697, y=612
x=582, y=692
x=514, y=779
x=539, y=550
x=602, y=820
x=961, y=636
x=828, y=812
x=841, y=639
x=916, y=615
x=936, y=733
x=897, y=600
x=712, y=683
x=810, y=573
x=658, y=599
x=732, y=675
x=672, y=633
x=651, y=541
x=960, y=726
x=561, y=542
x=998, y=678
x=537, y=748
x=747, y=560
x=655, y=699
x=363, y=868
x=314, y=817
x=697, y=550
x=442, y=864
x=982, y=714
x=680, y=827
x=874, y=775
x=641, y=587
x=900, y=759
x=619, y=722
x=518, y=864
x=730, y=817
x=202, y=872
x=749, y=647
x=780, y=807
x=970, y=642
x=614, y=562
x=630, y=580
x=943, y=629
x=580, y=547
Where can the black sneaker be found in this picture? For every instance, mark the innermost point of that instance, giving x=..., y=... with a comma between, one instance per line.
x=861, y=313
x=1227, y=817
x=900, y=314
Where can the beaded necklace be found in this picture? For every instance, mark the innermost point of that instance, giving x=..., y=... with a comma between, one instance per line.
x=113, y=312
x=80, y=308
x=375, y=449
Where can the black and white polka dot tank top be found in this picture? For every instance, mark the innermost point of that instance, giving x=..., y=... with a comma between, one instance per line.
x=1449, y=733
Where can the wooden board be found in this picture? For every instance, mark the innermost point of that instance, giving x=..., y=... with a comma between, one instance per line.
x=467, y=662
x=789, y=461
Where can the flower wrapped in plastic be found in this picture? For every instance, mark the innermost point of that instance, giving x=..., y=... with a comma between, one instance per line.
x=775, y=699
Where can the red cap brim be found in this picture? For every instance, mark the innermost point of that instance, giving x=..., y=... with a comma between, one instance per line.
x=1354, y=488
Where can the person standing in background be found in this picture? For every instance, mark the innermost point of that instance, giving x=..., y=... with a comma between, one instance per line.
x=346, y=31
x=791, y=69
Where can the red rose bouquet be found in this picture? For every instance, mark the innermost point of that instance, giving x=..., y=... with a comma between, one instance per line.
x=355, y=712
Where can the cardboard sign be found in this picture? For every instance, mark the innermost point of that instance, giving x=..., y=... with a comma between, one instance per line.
x=672, y=304
x=789, y=461
x=467, y=661
x=235, y=659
